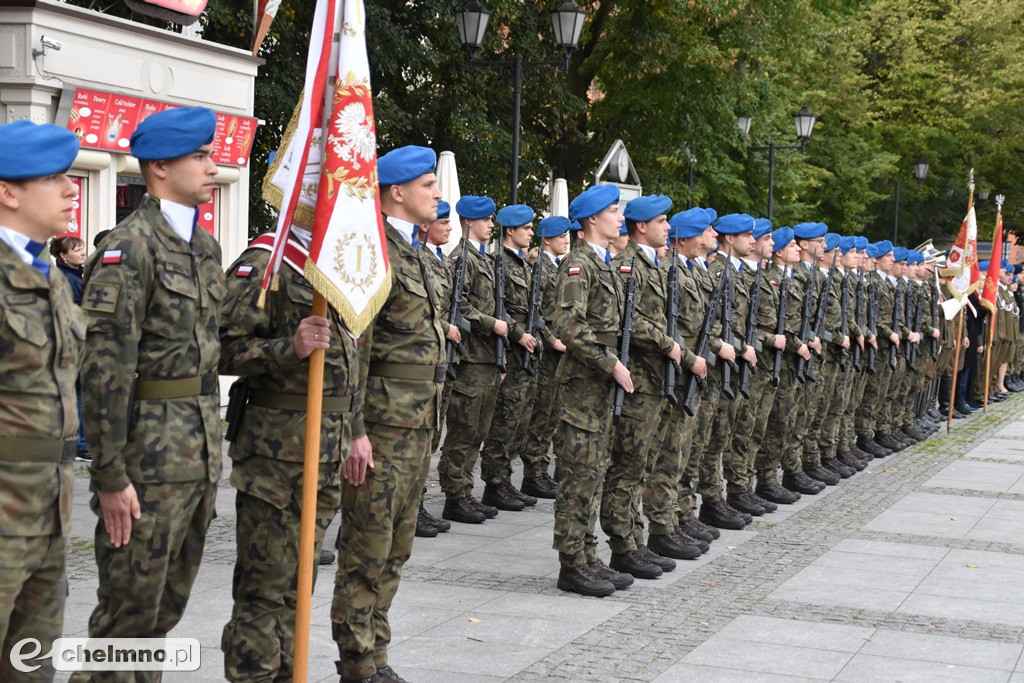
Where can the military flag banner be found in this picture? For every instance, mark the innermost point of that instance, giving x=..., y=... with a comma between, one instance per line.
x=962, y=262
x=990, y=292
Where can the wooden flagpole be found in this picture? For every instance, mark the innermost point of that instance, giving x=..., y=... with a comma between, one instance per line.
x=988, y=358
x=956, y=365
x=307, y=521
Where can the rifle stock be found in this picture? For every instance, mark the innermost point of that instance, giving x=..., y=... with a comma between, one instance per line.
x=629, y=310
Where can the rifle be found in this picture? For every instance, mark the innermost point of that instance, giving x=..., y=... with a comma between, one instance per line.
x=804, y=373
x=454, y=314
x=915, y=348
x=780, y=327
x=894, y=349
x=934, y=315
x=701, y=348
x=533, y=320
x=627, y=332
x=858, y=315
x=750, y=338
x=908, y=316
x=726, y=313
x=672, y=329
x=823, y=300
x=499, y=305
x=844, y=326
x=874, y=301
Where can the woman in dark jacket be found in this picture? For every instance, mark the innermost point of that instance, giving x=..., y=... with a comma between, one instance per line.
x=69, y=253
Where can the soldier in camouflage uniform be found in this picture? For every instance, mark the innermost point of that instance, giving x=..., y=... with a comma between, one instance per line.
x=645, y=412
x=774, y=451
x=736, y=235
x=41, y=336
x=475, y=388
x=553, y=232
x=150, y=394
x=587, y=320
x=508, y=427
x=433, y=236
x=401, y=369
x=670, y=455
x=269, y=347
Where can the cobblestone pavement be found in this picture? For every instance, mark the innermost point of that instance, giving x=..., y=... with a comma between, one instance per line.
x=911, y=569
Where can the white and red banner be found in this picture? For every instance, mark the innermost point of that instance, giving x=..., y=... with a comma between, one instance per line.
x=962, y=265
x=333, y=139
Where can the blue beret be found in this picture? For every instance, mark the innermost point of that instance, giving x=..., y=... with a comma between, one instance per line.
x=712, y=214
x=645, y=208
x=860, y=243
x=781, y=238
x=846, y=244
x=809, y=231
x=882, y=248
x=472, y=207
x=622, y=229
x=689, y=223
x=762, y=226
x=173, y=133
x=918, y=257
x=983, y=266
x=575, y=225
x=870, y=250
x=404, y=164
x=553, y=226
x=899, y=254
x=515, y=215
x=593, y=201
x=444, y=209
x=832, y=240
x=734, y=224
x=1005, y=264
x=33, y=150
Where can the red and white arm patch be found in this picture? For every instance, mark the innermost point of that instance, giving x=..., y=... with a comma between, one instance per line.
x=574, y=270
x=244, y=271
x=111, y=256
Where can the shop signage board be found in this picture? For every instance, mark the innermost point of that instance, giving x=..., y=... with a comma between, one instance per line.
x=106, y=121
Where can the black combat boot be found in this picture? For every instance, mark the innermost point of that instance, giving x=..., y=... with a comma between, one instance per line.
x=716, y=513
x=768, y=505
x=667, y=545
x=584, y=581
x=742, y=502
x=823, y=475
x=801, y=483
x=684, y=539
x=633, y=562
x=462, y=510
x=697, y=529
x=618, y=579
x=499, y=496
x=424, y=529
x=540, y=487
x=778, y=494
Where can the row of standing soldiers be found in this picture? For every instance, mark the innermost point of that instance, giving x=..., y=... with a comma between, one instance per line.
x=709, y=356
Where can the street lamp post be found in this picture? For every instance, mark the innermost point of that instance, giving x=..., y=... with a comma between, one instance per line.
x=803, y=120
x=920, y=173
x=566, y=23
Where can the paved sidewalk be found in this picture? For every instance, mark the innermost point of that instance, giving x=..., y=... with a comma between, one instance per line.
x=909, y=571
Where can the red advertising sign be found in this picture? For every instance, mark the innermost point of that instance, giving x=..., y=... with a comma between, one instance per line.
x=208, y=214
x=75, y=222
x=106, y=121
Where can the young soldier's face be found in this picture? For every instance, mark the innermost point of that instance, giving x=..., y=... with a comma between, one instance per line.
x=763, y=246
x=520, y=236
x=557, y=245
x=43, y=206
x=419, y=198
x=190, y=178
x=439, y=231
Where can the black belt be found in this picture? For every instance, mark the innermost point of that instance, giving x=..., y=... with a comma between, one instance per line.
x=38, y=450
x=421, y=373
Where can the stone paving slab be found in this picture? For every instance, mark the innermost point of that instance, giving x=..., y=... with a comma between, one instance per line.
x=867, y=581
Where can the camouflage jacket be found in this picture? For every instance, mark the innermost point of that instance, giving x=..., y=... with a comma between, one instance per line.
x=742, y=283
x=588, y=315
x=256, y=343
x=42, y=333
x=517, y=293
x=154, y=310
x=548, y=295
x=706, y=283
x=767, y=320
x=885, y=309
x=477, y=305
x=774, y=275
x=406, y=338
x=650, y=341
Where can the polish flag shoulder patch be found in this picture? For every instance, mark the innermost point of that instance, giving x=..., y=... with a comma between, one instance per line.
x=111, y=256
x=243, y=271
x=574, y=270
x=625, y=269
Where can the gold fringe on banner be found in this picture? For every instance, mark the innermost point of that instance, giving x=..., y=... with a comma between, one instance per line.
x=355, y=323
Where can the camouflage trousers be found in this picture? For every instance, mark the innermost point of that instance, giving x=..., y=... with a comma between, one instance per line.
x=719, y=442
x=259, y=640
x=634, y=435
x=33, y=588
x=828, y=374
x=828, y=435
x=507, y=434
x=809, y=395
x=706, y=409
x=543, y=419
x=378, y=522
x=847, y=424
x=665, y=466
x=468, y=420
x=748, y=430
x=774, y=450
x=583, y=457
x=899, y=387
x=446, y=396
x=869, y=419
x=145, y=585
